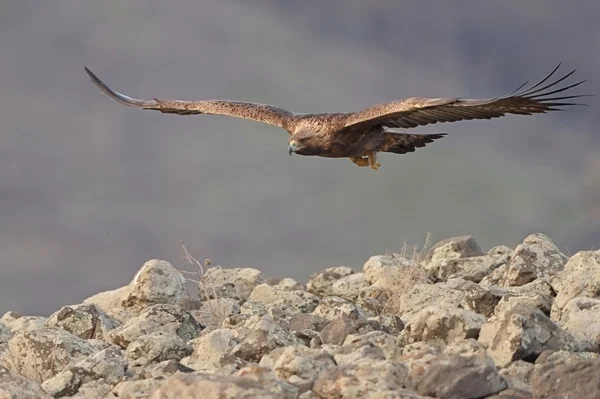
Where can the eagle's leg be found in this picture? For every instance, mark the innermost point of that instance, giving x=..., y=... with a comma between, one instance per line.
x=373, y=162
x=360, y=161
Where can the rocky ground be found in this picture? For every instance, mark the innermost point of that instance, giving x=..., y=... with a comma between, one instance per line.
x=452, y=322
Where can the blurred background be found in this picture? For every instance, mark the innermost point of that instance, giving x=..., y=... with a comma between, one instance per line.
x=90, y=189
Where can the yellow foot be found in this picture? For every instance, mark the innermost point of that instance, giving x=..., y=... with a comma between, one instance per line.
x=373, y=162
x=360, y=161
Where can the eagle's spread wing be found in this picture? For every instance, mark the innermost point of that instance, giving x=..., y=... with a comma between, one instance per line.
x=413, y=112
x=401, y=143
x=252, y=111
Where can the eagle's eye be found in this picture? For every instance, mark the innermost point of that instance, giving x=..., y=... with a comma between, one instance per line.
x=304, y=140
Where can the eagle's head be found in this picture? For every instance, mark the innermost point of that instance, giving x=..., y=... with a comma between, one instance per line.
x=304, y=143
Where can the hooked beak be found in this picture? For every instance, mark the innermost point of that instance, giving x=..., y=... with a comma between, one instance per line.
x=292, y=147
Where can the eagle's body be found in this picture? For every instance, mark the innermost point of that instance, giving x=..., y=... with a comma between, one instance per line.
x=361, y=135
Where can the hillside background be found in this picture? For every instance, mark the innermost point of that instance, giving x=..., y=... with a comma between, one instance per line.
x=90, y=189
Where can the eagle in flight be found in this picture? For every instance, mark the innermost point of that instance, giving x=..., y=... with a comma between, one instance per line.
x=361, y=135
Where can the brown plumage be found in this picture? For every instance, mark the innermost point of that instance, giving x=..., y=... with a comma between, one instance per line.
x=361, y=135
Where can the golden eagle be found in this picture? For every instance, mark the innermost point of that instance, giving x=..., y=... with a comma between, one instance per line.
x=361, y=135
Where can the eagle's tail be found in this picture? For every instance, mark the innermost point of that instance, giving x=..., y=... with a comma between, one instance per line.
x=401, y=143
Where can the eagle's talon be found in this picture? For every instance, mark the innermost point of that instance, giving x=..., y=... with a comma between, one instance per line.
x=373, y=161
x=360, y=161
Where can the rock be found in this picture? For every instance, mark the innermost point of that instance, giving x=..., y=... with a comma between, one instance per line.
x=111, y=302
x=307, y=321
x=452, y=248
x=162, y=369
x=500, y=250
x=541, y=302
x=157, y=318
x=333, y=307
x=522, y=331
x=389, y=324
x=259, y=336
x=214, y=311
x=481, y=299
x=157, y=282
x=383, y=269
x=301, y=366
x=86, y=321
x=421, y=296
x=467, y=346
x=286, y=302
x=5, y=335
x=358, y=380
x=279, y=388
x=17, y=322
x=579, y=380
x=92, y=390
x=565, y=356
x=286, y=284
x=15, y=386
x=474, y=269
x=156, y=347
x=138, y=389
x=518, y=375
x=337, y=330
x=236, y=283
x=349, y=287
x=581, y=318
x=379, y=339
x=511, y=393
x=200, y=385
x=107, y=365
x=536, y=257
x=41, y=354
x=321, y=283
x=444, y=323
x=348, y=354
x=462, y=377
x=580, y=277
x=212, y=352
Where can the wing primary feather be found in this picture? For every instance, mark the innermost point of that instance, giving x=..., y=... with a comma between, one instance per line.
x=120, y=97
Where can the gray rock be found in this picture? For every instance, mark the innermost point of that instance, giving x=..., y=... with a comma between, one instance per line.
x=333, y=307
x=500, y=250
x=301, y=366
x=463, y=377
x=580, y=277
x=521, y=331
x=157, y=282
x=481, y=299
x=337, y=330
x=279, y=388
x=307, y=321
x=107, y=365
x=92, y=390
x=389, y=324
x=86, y=321
x=15, y=386
x=581, y=318
x=469, y=346
x=518, y=375
x=421, y=296
x=41, y=354
x=444, y=323
x=536, y=257
x=579, y=380
x=212, y=352
x=138, y=389
x=156, y=347
x=214, y=311
x=286, y=284
x=259, y=336
x=157, y=318
x=350, y=354
x=358, y=380
x=453, y=248
x=349, y=287
x=236, y=283
x=386, y=342
x=162, y=369
x=200, y=385
x=5, y=335
x=111, y=302
x=17, y=322
x=282, y=302
x=565, y=356
x=321, y=283
x=382, y=270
